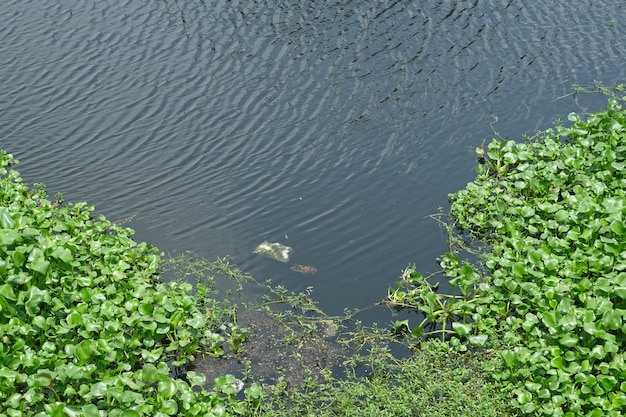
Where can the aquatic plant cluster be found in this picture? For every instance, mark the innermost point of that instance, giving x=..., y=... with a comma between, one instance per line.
x=86, y=325
x=546, y=222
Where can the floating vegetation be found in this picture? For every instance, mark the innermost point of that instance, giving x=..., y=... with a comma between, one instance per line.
x=88, y=327
x=548, y=216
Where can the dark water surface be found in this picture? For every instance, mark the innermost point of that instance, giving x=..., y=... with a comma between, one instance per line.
x=333, y=127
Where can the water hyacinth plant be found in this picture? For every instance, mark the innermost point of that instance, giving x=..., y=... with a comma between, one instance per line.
x=86, y=326
x=550, y=279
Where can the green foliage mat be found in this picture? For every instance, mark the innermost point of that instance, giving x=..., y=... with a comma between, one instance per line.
x=86, y=326
x=550, y=280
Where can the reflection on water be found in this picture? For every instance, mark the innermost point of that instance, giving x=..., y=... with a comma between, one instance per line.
x=333, y=127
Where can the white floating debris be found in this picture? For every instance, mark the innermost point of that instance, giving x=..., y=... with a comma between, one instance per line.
x=274, y=250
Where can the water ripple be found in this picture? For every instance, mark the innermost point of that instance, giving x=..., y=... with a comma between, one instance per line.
x=332, y=120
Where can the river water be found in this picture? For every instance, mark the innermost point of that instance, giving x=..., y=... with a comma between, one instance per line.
x=331, y=126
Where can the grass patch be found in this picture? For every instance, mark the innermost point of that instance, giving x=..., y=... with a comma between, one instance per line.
x=437, y=381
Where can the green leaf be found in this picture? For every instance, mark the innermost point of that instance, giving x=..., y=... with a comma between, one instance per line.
x=152, y=356
x=74, y=319
x=196, y=379
x=617, y=227
x=6, y=291
x=524, y=397
x=72, y=411
x=90, y=410
x=549, y=319
x=558, y=362
x=8, y=237
x=536, y=258
x=597, y=352
x=19, y=258
x=6, y=219
x=149, y=373
x=63, y=254
x=196, y=321
x=169, y=407
x=478, y=340
x=84, y=350
x=40, y=264
x=528, y=211
x=146, y=308
x=519, y=269
x=612, y=320
x=620, y=292
x=254, y=391
x=528, y=408
x=99, y=390
x=84, y=280
x=417, y=331
x=590, y=328
x=569, y=340
x=561, y=215
x=568, y=322
x=35, y=297
x=401, y=327
x=167, y=388
x=462, y=329
x=44, y=377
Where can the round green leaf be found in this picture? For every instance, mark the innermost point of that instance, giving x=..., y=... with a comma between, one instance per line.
x=167, y=388
x=169, y=407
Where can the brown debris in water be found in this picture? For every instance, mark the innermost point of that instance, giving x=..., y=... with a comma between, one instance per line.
x=303, y=269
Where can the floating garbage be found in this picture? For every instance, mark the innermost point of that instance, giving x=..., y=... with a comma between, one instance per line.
x=274, y=250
